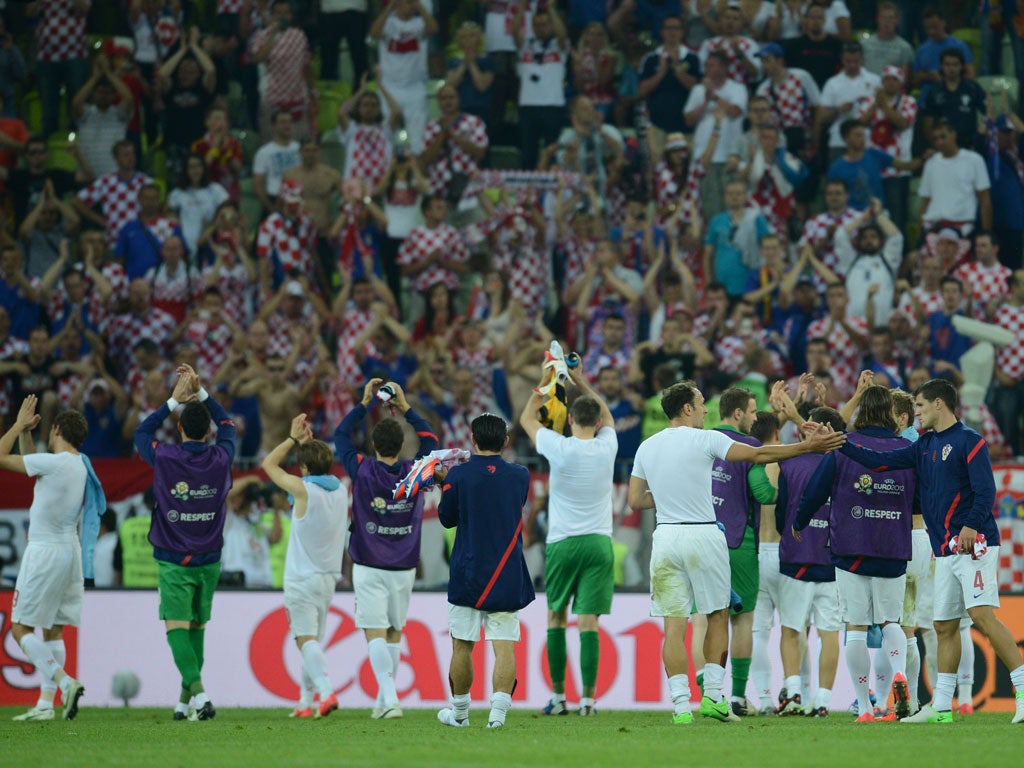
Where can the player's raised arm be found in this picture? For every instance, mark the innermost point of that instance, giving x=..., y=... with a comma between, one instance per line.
x=27, y=420
x=185, y=389
x=298, y=434
x=821, y=441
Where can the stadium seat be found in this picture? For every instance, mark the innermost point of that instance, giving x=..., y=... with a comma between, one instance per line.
x=973, y=39
x=32, y=109
x=995, y=84
x=327, y=114
x=249, y=204
x=250, y=141
x=57, y=155
x=506, y=158
x=332, y=151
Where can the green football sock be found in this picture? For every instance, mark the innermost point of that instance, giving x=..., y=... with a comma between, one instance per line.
x=184, y=656
x=186, y=695
x=196, y=638
x=556, y=658
x=740, y=675
x=590, y=653
x=700, y=682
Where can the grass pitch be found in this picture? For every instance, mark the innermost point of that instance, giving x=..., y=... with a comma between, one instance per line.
x=267, y=737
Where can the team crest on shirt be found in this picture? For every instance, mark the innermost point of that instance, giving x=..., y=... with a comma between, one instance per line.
x=946, y=450
x=180, y=491
x=864, y=484
x=379, y=506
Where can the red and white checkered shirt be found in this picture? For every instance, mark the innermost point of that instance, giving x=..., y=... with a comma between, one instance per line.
x=117, y=198
x=457, y=430
x=527, y=268
x=791, y=103
x=1010, y=358
x=353, y=322
x=452, y=158
x=292, y=241
x=884, y=136
x=213, y=342
x=367, y=150
x=845, y=354
x=816, y=230
x=423, y=241
x=235, y=288
x=60, y=32
x=747, y=49
x=730, y=351
x=59, y=306
x=775, y=205
x=123, y=331
x=285, y=80
x=597, y=358
x=9, y=350
x=229, y=6
x=134, y=379
x=279, y=325
x=118, y=279
x=578, y=254
x=481, y=362
x=667, y=188
x=988, y=283
x=990, y=431
x=175, y=293
x=931, y=301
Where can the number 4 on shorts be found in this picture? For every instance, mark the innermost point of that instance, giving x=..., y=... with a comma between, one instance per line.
x=979, y=583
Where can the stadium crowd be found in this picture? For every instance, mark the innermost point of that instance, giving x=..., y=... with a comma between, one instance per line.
x=730, y=192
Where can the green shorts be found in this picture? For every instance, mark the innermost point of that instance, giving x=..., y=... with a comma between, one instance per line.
x=186, y=593
x=580, y=568
x=744, y=571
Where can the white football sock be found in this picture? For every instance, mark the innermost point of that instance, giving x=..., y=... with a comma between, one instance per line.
x=761, y=669
x=805, y=671
x=500, y=705
x=894, y=648
x=316, y=667
x=858, y=662
x=913, y=670
x=883, y=676
x=823, y=698
x=41, y=656
x=380, y=661
x=931, y=654
x=201, y=699
x=794, y=686
x=460, y=705
x=714, y=678
x=965, y=670
x=1017, y=678
x=679, y=690
x=945, y=687
x=307, y=691
x=48, y=688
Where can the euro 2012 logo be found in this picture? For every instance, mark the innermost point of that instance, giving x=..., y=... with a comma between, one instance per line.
x=864, y=484
x=379, y=505
x=180, y=491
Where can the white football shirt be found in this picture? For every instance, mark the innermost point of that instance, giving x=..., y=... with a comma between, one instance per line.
x=676, y=463
x=580, y=484
x=59, y=494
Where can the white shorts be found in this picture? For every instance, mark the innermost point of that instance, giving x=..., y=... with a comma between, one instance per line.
x=382, y=597
x=50, y=587
x=689, y=570
x=962, y=583
x=917, y=604
x=464, y=623
x=809, y=602
x=867, y=600
x=768, y=591
x=307, y=602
